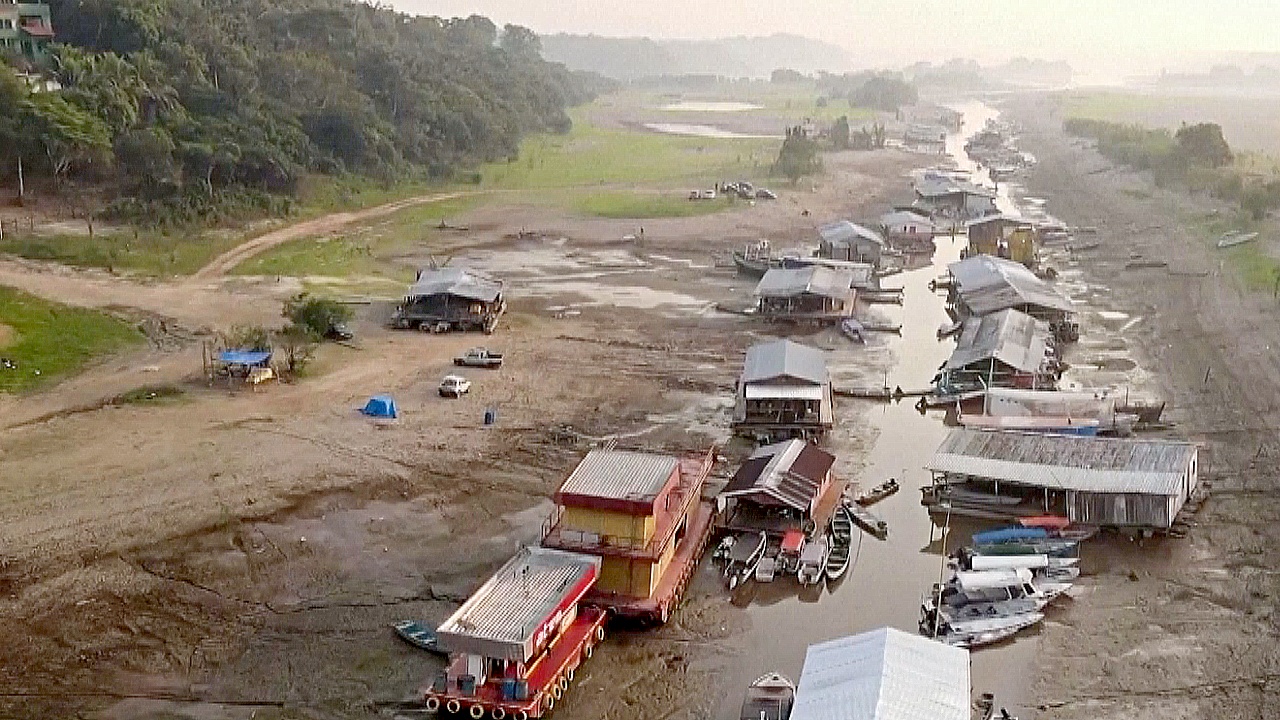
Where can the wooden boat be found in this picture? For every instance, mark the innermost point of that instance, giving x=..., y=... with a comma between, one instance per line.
x=740, y=563
x=841, y=543
x=1234, y=238
x=878, y=493
x=419, y=636
x=1055, y=547
x=769, y=697
x=957, y=493
x=813, y=561
x=755, y=260
x=867, y=520
x=982, y=610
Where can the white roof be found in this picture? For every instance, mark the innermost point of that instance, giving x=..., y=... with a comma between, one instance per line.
x=1067, y=462
x=884, y=674
x=784, y=392
x=812, y=279
x=1004, y=577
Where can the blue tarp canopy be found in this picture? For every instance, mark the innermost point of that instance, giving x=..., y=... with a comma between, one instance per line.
x=244, y=357
x=383, y=406
x=1010, y=534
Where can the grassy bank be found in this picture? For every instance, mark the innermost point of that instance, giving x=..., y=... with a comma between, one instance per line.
x=47, y=340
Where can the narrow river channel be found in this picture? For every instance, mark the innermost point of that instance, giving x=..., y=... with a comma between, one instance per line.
x=888, y=579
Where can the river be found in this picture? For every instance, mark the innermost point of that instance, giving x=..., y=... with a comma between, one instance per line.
x=888, y=579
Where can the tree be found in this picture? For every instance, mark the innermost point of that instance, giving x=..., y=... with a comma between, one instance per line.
x=886, y=92
x=786, y=75
x=146, y=155
x=315, y=317
x=1203, y=144
x=840, y=133
x=521, y=42
x=798, y=155
x=67, y=134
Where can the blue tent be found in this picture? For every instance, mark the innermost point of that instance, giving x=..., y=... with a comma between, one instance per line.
x=382, y=406
x=249, y=358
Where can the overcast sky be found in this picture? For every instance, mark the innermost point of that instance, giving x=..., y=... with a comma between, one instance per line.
x=1094, y=35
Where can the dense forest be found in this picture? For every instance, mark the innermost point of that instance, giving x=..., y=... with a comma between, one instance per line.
x=200, y=108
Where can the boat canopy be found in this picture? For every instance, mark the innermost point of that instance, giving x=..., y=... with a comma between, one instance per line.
x=986, y=579
x=1008, y=562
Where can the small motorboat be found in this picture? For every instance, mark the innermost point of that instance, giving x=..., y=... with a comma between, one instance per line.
x=853, y=330
x=865, y=519
x=740, y=564
x=1000, y=536
x=770, y=697
x=813, y=561
x=841, y=544
x=976, y=633
x=766, y=569
x=878, y=493
x=978, y=611
x=789, y=551
x=419, y=636
x=1053, y=547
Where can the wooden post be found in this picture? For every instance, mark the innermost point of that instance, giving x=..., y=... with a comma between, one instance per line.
x=22, y=187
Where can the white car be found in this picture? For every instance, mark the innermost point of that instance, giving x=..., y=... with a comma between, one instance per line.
x=454, y=386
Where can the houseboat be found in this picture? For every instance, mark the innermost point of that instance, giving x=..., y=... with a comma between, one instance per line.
x=514, y=645
x=643, y=515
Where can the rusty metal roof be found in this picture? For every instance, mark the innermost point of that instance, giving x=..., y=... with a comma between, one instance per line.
x=1062, y=462
x=501, y=617
x=621, y=475
x=791, y=472
x=1014, y=338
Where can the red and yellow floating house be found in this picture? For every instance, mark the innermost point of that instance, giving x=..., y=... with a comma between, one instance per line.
x=516, y=643
x=643, y=515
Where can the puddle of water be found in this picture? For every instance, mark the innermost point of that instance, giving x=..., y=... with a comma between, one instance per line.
x=705, y=131
x=711, y=106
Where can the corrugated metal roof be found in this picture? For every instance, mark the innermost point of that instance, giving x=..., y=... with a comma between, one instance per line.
x=1014, y=338
x=1062, y=462
x=456, y=281
x=884, y=674
x=784, y=359
x=792, y=472
x=508, y=608
x=620, y=474
x=814, y=279
x=844, y=231
x=934, y=186
x=988, y=284
x=783, y=392
x=902, y=217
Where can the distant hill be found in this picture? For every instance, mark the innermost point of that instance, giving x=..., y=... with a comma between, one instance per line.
x=637, y=58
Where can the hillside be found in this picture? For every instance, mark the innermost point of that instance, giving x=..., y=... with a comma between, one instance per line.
x=638, y=58
x=199, y=109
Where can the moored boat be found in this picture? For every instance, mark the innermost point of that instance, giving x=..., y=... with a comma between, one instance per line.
x=868, y=521
x=1055, y=547
x=841, y=544
x=740, y=563
x=1084, y=427
x=419, y=636
x=769, y=697
x=755, y=260
x=813, y=561
x=977, y=633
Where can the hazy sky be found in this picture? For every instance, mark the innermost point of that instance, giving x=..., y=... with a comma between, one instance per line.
x=1100, y=35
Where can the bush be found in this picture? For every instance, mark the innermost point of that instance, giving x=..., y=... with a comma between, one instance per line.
x=314, y=317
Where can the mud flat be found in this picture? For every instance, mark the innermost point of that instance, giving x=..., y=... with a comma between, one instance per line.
x=1172, y=628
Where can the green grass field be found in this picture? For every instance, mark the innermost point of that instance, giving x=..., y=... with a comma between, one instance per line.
x=148, y=252
x=363, y=250
x=48, y=340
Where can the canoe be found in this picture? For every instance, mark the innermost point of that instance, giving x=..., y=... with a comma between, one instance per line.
x=878, y=493
x=769, y=697
x=1048, y=522
x=867, y=520
x=419, y=636
x=841, y=544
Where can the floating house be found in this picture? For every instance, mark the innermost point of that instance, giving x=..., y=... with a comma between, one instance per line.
x=982, y=284
x=452, y=298
x=851, y=242
x=1004, y=236
x=812, y=292
x=1004, y=349
x=884, y=674
x=1111, y=482
x=515, y=643
x=782, y=487
x=642, y=514
x=909, y=229
x=784, y=392
x=951, y=198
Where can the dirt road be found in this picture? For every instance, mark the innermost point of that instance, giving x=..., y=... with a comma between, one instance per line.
x=227, y=261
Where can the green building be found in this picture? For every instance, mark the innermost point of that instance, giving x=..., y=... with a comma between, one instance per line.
x=25, y=29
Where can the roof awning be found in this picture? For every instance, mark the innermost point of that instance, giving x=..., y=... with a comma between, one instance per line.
x=784, y=392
